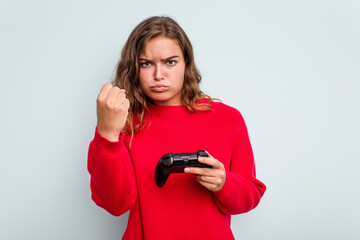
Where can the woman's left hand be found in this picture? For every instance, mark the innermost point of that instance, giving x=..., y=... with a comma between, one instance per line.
x=211, y=178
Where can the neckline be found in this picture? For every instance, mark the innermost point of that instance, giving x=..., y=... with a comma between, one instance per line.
x=178, y=110
x=167, y=110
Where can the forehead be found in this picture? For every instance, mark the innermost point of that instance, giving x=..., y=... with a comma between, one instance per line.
x=161, y=47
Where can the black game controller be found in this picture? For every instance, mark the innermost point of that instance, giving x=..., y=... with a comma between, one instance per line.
x=175, y=163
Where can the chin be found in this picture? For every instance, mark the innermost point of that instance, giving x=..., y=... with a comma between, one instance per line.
x=157, y=98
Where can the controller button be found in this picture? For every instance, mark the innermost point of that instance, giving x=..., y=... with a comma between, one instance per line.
x=167, y=161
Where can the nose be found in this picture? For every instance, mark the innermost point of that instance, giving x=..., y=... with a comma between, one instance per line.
x=158, y=75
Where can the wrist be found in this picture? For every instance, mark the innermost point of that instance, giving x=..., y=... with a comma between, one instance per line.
x=110, y=136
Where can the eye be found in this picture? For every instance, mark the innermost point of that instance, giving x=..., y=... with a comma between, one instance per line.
x=145, y=64
x=171, y=62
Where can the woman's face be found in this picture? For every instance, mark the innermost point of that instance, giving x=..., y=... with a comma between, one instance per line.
x=162, y=69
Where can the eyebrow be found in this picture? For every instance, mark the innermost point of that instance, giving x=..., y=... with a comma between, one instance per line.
x=163, y=60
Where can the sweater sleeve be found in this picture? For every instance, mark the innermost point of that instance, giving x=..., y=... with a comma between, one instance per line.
x=112, y=182
x=241, y=191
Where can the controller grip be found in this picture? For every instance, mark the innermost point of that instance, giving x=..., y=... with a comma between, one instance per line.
x=175, y=163
x=161, y=175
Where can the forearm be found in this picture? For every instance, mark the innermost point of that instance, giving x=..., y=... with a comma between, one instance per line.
x=113, y=185
x=239, y=194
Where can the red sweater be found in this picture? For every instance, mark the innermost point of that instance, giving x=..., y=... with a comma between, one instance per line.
x=122, y=178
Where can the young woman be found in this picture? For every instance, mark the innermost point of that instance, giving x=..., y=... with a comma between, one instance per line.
x=155, y=107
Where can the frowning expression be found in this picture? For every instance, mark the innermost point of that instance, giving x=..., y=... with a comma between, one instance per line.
x=162, y=68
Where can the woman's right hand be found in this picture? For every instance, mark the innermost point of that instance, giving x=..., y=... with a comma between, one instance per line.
x=112, y=111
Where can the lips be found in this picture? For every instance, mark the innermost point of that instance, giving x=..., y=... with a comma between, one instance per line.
x=159, y=88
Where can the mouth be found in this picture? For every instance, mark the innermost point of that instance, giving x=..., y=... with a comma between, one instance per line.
x=159, y=88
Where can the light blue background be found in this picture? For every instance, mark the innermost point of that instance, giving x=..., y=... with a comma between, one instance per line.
x=291, y=67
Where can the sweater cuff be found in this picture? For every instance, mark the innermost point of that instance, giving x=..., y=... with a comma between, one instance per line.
x=109, y=145
x=232, y=185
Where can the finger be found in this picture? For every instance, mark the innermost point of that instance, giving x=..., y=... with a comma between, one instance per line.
x=217, y=181
x=199, y=171
x=209, y=154
x=122, y=91
x=127, y=104
x=210, y=186
x=104, y=91
x=207, y=179
x=122, y=103
x=211, y=161
x=114, y=92
x=121, y=97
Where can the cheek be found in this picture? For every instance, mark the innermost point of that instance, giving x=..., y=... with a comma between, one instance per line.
x=143, y=77
x=142, y=84
x=180, y=75
x=177, y=71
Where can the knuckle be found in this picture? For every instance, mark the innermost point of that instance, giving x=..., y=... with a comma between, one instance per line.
x=119, y=108
x=220, y=165
x=108, y=104
x=116, y=89
x=111, y=105
x=108, y=84
x=99, y=99
x=116, y=108
x=221, y=176
x=122, y=110
x=123, y=107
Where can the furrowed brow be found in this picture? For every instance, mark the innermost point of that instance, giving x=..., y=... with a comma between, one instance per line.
x=163, y=60
x=169, y=58
x=144, y=59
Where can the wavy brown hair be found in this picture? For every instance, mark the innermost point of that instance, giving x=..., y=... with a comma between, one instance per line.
x=128, y=68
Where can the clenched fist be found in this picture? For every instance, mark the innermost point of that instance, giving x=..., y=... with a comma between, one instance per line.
x=112, y=111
